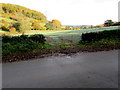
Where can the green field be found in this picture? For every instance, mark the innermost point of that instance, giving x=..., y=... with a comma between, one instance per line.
x=70, y=36
x=67, y=36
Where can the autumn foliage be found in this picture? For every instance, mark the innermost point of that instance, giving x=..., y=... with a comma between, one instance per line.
x=56, y=22
x=12, y=30
x=22, y=19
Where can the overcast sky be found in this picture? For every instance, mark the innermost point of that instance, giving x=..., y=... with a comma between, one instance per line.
x=73, y=12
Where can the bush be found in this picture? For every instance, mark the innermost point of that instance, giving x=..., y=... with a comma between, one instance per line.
x=38, y=38
x=22, y=43
x=5, y=26
x=16, y=26
x=96, y=36
x=7, y=48
x=36, y=26
x=16, y=39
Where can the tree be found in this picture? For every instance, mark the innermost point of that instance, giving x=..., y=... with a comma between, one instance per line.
x=50, y=26
x=108, y=22
x=4, y=25
x=36, y=26
x=17, y=26
x=68, y=28
x=22, y=26
x=116, y=24
x=91, y=26
x=56, y=22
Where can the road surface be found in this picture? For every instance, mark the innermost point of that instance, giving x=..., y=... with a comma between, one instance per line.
x=81, y=70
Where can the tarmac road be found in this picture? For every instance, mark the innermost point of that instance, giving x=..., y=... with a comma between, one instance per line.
x=81, y=70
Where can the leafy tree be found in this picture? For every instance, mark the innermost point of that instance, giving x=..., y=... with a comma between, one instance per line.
x=50, y=26
x=116, y=24
x=68, y=28
x=36, y=26
x=5, y=25
x=56, y=22
x=23, y=26
x=108, y=22
x=17, y=26
x=91, y=26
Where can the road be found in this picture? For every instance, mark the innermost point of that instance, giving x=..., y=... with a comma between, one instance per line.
x=81, y=70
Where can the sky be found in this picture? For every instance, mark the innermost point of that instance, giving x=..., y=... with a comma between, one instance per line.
x=73, y=12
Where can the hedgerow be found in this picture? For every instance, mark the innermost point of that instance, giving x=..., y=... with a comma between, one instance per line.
x=97, y=36
x=23, y=43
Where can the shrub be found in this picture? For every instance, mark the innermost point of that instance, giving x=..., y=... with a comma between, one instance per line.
x=7, y=48
x=23, y=43
x=36, y=26
x=5, y=26
x=17, y=26
x=38, y=38
x=43, y=28
x=96, y=36
x=16, y=39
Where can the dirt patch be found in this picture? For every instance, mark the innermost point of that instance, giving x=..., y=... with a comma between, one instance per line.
x=65, y=40
x=50, y=39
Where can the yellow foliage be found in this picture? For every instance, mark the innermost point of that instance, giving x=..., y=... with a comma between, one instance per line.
x=12, y=29
x=5, y=25
x=36, y=26
x=56, y=22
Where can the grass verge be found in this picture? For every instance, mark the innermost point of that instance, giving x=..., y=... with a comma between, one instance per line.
x=62, y=48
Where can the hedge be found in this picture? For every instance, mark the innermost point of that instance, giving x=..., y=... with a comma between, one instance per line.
x=23, y=43
x=96, y=36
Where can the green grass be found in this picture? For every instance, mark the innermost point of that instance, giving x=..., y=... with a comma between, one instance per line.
x=42, y=24
x=6, y=19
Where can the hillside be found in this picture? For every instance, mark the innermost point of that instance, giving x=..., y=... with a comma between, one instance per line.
x=17, y=12
x=17, y=18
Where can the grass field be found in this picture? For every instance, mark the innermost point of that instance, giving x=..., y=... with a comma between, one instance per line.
x=70, y=36
x=67, y=36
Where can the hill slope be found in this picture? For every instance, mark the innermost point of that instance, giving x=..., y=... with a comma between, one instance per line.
x=17, y=12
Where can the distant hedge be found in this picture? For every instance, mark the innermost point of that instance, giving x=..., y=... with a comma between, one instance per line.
x=96, y=36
